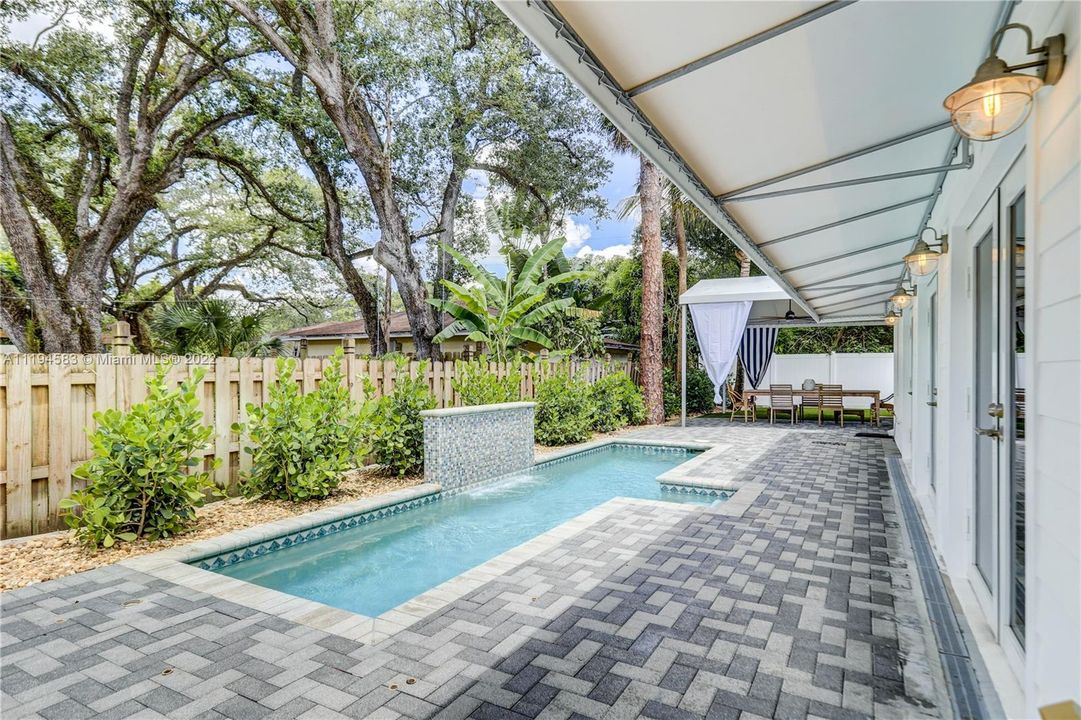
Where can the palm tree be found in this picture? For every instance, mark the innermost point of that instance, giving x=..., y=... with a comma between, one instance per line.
x=504, y=313
x=649, y=208
x=210, y=326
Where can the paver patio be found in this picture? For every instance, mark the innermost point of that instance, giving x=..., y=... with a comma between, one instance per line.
x=805, y=605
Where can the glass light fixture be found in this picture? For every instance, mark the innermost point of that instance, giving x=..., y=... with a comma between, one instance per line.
x=924, y=259
x=892, y=318
x=902, y=298
x=998, y=99
x=791, y=314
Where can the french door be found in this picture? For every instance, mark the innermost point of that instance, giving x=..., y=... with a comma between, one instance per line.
x=998, y=409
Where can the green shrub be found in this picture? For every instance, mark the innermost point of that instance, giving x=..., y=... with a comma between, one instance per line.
x=617, y=401
x=302, y=443
x=563, y=412
x=393, y=427
x=141, y=480
x=699, y=392
x=475, y=385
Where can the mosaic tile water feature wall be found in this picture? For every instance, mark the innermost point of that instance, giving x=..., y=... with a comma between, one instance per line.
x=469, y=444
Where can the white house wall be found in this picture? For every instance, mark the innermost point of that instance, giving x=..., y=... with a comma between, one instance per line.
x=1049, y=148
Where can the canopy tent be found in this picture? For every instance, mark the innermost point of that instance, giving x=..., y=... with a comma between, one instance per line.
x=722, y=308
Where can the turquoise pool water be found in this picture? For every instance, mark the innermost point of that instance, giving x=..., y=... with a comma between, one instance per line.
x=372, y=568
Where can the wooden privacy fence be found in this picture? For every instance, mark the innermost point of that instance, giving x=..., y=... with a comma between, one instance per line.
x=48, y=404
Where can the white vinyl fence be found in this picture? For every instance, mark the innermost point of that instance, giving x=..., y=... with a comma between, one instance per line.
x=855, y=371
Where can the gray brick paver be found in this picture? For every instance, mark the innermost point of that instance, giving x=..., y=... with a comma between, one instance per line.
x=654, y=611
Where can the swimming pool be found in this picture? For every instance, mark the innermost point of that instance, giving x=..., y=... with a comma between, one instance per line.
x=374, y=567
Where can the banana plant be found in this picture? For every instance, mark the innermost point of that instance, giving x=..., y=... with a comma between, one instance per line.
x=502, y=314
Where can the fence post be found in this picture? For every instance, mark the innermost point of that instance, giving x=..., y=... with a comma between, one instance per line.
x=349, y=347
x=121, y=338
x=59, y=439
x=223, y=408
x=18, y=484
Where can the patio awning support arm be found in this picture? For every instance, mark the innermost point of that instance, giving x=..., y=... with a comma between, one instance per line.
x=839, y=159
x=683, y=366
x=861, y=271
x=965, y=164
x=845, y=221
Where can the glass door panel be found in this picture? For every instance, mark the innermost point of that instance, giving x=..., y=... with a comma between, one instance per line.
x=986, y=393
x=1015, y=332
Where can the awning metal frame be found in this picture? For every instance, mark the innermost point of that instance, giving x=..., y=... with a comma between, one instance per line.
x=740, y=46
x=850, y=253
x=842, y=289
x=847, y=220
x=863, y=271
x=965, y=164
x=880, y=301
x=867, y=150
x=878, y=295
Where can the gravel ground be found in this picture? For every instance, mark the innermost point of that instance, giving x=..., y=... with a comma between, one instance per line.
x=24, y=561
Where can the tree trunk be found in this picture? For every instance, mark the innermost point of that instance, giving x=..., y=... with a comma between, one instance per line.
x=649, y=183
x=681, y=251
x=65, y=308
x=744, y=271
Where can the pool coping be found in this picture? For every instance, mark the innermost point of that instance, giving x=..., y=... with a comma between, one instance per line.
x=173, y=564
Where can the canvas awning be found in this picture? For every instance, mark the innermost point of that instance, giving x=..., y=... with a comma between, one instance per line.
x=812, y=134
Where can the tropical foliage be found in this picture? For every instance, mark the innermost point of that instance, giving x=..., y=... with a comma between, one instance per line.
x=144, y=479
x=212, y=327
x=504, y=313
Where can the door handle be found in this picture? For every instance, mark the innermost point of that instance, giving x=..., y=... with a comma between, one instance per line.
x=932, y=403
x=990, y=432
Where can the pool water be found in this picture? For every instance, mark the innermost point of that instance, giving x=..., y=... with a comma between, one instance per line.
x=377, y=566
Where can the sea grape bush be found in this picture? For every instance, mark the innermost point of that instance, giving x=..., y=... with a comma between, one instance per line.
x=563, y=413
x=617, y=402
x=301, y=444
x=142, y=480
x=477, y=385
x=392, y=426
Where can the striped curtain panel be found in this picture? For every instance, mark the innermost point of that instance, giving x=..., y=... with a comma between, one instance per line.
x=755, y=352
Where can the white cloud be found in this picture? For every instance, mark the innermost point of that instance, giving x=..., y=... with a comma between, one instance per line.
x=611, y=251
x=575, y=233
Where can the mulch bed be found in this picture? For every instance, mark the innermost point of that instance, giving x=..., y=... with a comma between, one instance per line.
x=24, y=561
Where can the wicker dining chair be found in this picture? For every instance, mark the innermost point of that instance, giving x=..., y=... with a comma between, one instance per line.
x=743, y=404
x=831, y=398
x=781, y=399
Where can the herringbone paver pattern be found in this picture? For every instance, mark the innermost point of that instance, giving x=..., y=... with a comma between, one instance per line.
x=801, y=607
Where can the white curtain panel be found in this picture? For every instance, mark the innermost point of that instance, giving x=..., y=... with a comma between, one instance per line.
x=719, y=329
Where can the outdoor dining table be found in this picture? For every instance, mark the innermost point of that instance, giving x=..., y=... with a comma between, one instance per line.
x=811, y=399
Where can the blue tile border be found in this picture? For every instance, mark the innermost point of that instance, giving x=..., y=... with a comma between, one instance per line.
x=696, y=490
x=232, y=557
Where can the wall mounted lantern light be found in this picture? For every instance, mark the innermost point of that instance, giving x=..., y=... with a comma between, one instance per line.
x=892, y=318
x=998, y=99
x=902, y=298
x=924, y=259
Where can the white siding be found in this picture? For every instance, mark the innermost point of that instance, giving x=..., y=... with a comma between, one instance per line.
x=1053, y=465
x=1050, y=152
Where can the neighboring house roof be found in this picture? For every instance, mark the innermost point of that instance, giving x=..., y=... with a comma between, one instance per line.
x=399, y=327
x=337, y=330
